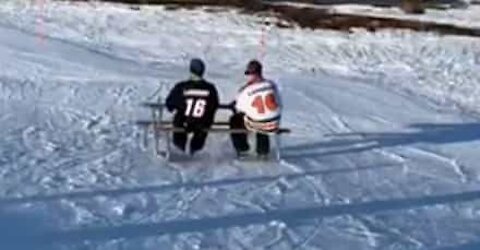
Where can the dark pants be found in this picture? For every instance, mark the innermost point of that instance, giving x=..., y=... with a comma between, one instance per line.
x=240, y=140
x=180, y=138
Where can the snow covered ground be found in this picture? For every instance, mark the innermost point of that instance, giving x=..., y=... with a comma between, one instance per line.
x=384, y=153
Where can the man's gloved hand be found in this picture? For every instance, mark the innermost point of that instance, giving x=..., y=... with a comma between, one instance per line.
x=231, y=106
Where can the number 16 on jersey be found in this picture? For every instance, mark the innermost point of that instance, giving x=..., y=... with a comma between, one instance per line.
x=195, y=107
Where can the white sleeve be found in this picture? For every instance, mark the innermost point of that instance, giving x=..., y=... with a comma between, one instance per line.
x=241, y=105
x=276, y=88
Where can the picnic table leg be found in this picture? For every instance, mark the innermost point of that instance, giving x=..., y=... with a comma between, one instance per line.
x=145, y=138
x=156, y=136
x=168, y=146
x=278, y=143
x=166, y=152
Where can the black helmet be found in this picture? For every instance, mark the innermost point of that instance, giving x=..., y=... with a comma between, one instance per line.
x=197, y=67
x=254, y=67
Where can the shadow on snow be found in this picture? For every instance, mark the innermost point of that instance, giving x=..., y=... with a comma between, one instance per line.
x=185, y=185
x=289, y=216
x=359, y=142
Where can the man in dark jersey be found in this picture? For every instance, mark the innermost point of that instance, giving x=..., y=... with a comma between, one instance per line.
x=195, y=102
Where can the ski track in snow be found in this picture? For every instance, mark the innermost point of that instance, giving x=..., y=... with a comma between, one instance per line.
x=368, y=166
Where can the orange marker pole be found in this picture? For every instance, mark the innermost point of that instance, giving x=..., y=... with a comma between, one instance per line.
x=263, y=44
x=39, y=22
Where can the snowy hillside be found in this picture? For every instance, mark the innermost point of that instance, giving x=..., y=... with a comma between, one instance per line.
x=384, y=153
x=458, y=13
x=467, y=16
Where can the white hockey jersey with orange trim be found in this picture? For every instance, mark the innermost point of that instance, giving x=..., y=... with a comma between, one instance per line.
x=261, y=104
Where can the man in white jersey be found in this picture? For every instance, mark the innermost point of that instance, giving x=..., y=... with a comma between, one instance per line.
x=258, y=109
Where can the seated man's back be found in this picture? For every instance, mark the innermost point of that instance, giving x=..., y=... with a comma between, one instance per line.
x=257, y=108
x=195, y=103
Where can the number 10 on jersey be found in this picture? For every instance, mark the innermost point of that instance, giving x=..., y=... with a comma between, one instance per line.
x=265, y=103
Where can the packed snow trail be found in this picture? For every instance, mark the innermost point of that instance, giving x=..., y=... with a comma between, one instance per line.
x=365, y=168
